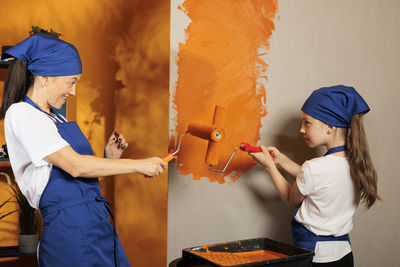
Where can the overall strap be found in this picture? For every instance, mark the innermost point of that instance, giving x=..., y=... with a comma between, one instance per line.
x=335, y=149
x=55, y=118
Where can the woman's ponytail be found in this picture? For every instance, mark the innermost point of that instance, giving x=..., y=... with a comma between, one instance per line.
x=18, y=80
x=361, y=167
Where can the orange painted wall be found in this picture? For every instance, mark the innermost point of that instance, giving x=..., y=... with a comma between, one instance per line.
x=124, y=46
x=220, y=63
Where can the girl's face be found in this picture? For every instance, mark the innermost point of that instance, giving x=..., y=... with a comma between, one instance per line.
x=60, y=88
x=315, y=132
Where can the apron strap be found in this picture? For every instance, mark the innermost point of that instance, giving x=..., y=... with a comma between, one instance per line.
x=306, y=239
x=56, y=117
x=335, y=149
x=116, y=249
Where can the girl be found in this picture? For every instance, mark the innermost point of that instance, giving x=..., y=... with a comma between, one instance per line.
x=327, y=189
x=53, y=162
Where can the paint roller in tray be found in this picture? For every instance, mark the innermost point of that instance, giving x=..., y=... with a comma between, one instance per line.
x=215, y=135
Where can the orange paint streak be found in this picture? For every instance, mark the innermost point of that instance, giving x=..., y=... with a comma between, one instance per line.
x=220, y=65
x=232, y=259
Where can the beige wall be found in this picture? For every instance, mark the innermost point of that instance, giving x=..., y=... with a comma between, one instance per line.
x=316, y=43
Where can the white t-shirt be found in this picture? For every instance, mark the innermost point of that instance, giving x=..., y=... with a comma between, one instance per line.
x=330, y=203
x=31, y=135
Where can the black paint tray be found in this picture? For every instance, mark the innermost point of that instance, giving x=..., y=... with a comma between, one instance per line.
x=294, y=256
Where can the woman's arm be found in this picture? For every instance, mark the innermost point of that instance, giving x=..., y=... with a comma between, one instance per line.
x=92, y=167
x=290, y=194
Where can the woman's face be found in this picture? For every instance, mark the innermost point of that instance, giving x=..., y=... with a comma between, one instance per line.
x=315, y=132
x=60, y=88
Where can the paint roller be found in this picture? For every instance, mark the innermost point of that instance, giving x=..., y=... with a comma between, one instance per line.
x=214, y=134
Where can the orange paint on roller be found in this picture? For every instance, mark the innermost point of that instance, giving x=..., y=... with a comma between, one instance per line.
x=220, y=64
x=213, y=133
x=207, y=132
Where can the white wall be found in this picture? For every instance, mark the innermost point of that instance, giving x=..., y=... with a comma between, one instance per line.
x=316, y=43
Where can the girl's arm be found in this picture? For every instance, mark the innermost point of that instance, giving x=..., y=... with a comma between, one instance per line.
x=92, y=167
x=285, y=162
x=290, y=194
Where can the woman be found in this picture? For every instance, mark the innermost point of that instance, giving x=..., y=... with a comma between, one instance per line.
x=53, y=162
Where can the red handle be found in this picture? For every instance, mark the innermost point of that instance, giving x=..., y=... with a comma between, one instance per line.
x=253, y=149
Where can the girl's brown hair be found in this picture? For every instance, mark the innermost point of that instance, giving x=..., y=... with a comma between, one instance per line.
x=361, y=168
x=17, y=82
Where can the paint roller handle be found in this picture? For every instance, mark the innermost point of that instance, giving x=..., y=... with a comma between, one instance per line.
x=253, y=149
x=169, y=157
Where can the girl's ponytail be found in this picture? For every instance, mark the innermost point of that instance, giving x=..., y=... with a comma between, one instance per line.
x=18, y=80
x=361, y=168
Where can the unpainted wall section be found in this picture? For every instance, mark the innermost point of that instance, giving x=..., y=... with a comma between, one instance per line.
x=315, y=44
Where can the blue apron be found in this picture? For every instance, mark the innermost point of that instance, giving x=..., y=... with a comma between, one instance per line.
x=76, y=217
x=303, y=237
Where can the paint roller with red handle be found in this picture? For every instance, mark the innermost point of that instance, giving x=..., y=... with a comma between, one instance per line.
x=214, y=134
x=253, y=149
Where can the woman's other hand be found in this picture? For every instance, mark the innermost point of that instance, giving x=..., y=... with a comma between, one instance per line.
x=115, y=146
x=152, y=167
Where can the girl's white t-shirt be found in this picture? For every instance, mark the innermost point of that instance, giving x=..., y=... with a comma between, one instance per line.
x=31, y=135
x=330, y=203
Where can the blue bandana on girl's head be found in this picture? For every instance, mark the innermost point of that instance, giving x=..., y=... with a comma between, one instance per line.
x=335, y=105
x=47, y=56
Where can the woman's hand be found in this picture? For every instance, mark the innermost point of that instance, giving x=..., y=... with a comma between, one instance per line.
x=151, y=167
x=115, y=146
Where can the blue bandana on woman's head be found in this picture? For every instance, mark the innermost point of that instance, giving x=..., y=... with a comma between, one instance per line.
x=335, y=105
x=47, y=56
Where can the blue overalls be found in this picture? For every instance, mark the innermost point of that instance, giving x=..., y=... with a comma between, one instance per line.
x=305, y=238
x=76, y=223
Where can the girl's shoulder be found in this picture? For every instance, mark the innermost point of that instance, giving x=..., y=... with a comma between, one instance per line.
x=326, y=163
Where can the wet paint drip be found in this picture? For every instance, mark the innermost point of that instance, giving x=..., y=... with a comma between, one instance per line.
x=232, y=259
x=220, y=64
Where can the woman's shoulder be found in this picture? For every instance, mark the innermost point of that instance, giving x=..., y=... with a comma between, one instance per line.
x=18, y=107
x=22, y=111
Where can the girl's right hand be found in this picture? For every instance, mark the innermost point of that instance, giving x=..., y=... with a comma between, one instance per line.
x=264, y=158
x=152, y=167
x=277, y=154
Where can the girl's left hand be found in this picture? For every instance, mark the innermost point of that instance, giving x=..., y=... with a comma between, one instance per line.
x=115, y=146
x=264, y=158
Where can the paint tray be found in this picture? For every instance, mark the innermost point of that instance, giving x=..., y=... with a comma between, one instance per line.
x=249, y=252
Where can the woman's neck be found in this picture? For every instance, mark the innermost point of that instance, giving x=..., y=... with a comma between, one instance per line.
x=38, y=99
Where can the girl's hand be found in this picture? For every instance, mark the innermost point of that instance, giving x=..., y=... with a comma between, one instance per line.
x=265, y=159
x=277, y=154
x=152, y=167
x=115, y=146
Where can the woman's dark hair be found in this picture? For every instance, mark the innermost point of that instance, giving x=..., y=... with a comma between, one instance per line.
x=362, y=170
x=17, y=82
